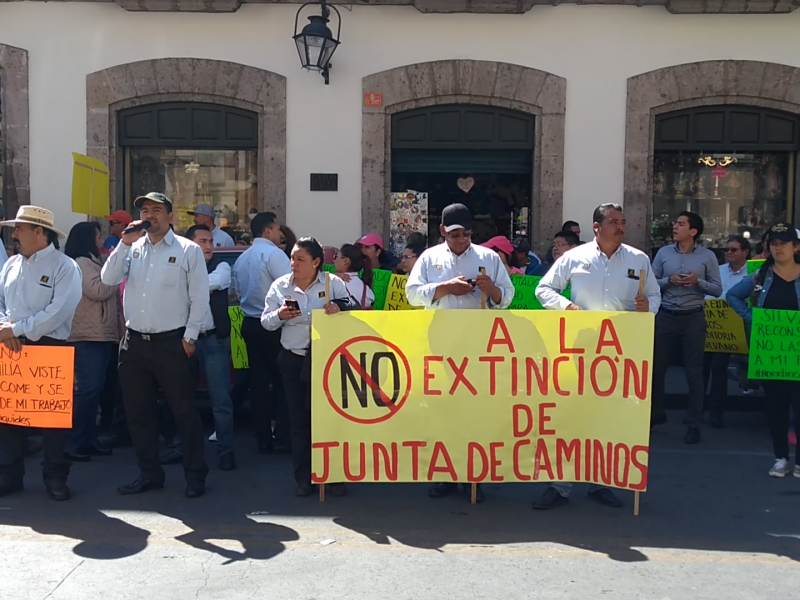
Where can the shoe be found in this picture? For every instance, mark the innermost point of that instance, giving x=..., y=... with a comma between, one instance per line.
x=658, y=419
x=97, y=449
x=77, y=456
x=213, y=437
x=692, y=435
x=796, y=471
x=304, y=490
x=606, y=497
x=140, y=486
x=716, y=420
x=9, y=486
x=173, y=458
x=265, y=448
x=780, y=468
x=440, y=490
x=57, y=490
x=195, y=488
x=337, y=490
x=479, y=498
x=550, y=499
x=227, y=462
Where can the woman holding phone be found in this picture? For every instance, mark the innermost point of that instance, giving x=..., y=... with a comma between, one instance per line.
x=289, y=304
x=775, y=286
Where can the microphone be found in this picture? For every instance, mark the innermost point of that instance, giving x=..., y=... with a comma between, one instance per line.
x=139, y=227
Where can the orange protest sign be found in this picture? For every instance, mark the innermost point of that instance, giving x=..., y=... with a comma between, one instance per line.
x=36, y=386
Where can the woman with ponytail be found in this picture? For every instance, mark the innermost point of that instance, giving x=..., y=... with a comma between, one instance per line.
x=348, y=263
x=775, y=286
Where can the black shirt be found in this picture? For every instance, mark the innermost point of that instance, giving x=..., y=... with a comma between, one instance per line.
x=782, y=295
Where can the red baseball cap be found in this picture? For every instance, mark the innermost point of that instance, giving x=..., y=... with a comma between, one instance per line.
x=501, y=243
x=122, y=216
x=371, y=239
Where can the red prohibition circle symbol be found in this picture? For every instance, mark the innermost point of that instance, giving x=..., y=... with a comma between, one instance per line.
x=374, y=386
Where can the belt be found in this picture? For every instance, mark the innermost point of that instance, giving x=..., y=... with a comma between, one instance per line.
x=157, y=337
x=205, y=334
x=42, y=341
x=680, y=313
x=299, y=352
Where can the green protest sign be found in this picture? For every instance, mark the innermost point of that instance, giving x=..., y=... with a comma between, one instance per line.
x=328, y=268
x=238, y=347
x=775, y=345
x=525, y=293
x=754, y=265
x=380, y=286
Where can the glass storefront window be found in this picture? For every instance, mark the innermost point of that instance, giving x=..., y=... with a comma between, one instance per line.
x=225, y=179
x=734, y=193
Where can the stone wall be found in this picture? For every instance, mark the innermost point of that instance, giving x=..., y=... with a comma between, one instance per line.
x=466, y=82
x=193, y=80
x=14, y=128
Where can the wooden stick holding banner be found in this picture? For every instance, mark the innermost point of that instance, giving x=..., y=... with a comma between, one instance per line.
x=474, y=487
x=636, y=493
x=327, y=300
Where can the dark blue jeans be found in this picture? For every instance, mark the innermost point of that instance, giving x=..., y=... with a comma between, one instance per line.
x=213, y=358
x=91, y=365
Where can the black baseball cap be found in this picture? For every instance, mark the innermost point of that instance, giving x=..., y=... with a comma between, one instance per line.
x=521, y=245
x=153, y=197
x=784, y=232
x=456, y=216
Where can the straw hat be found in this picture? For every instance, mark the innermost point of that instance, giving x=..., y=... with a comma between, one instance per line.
x=35, y=215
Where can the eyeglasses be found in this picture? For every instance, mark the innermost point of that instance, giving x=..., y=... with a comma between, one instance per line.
x=115, y=222
x=727, y=250
x=457, y=235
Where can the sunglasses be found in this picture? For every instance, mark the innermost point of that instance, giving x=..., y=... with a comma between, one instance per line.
x=727, y=250
x=282, y=241
x=115, y=222
x=457, y=235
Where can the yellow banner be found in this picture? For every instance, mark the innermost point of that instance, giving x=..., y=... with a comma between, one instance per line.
x=482, y=395
x=90, y=186
x=724, y=329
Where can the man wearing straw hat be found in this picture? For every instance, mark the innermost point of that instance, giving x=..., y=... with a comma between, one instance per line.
x=605, y=275
x=40, y=289
x=165, y=303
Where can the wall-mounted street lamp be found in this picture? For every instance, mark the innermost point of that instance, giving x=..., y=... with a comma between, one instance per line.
x=316, y=43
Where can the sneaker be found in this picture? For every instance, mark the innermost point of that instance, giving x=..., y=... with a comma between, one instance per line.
x=213, y=437
x=780, y=468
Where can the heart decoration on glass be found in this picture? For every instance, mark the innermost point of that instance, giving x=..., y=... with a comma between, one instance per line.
x=465, y=184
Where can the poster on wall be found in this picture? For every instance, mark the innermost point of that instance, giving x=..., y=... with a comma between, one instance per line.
x=408, y=213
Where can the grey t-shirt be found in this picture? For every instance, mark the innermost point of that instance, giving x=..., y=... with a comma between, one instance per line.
x=700, y=261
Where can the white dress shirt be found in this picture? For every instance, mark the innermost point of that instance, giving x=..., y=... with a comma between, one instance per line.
x=220, y=239
x=166, y=287
x=218, y=279
x=253, y=274
x=39, y=295
x=599, y=282
x=729, y=279
x=296, y=333
x=440, y=264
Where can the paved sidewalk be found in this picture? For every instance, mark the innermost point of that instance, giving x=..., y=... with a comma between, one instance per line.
x=713, y=525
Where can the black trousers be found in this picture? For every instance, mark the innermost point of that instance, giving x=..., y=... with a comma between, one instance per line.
x=715, y=369
x=263, y=348
x=686, y=333
x=298, y=399
x=144, y=366
x=781, y=397
x=12, y=443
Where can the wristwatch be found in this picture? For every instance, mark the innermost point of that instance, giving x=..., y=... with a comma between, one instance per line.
x=190, y=341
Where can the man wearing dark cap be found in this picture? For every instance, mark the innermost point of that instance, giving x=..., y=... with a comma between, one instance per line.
x=165, y=303
x=204, y=215
x=526, y=259
x=439, y=280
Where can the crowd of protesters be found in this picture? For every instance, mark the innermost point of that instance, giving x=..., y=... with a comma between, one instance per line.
x=146, y=310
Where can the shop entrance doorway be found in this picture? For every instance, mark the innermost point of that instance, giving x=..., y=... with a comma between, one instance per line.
x=481, y=156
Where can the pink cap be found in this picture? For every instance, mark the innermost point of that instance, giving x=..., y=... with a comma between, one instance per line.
x=501, y=243
x=371, y=239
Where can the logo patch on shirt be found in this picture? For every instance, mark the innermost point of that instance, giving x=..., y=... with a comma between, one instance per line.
x=438, y=267
x=172, y=260
x=586, y=266
x=632, y=275
x=135, y=254
x=44, y=279
x=321, y=295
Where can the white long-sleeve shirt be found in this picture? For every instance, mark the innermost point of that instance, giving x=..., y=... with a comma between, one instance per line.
x=39, y=295
x=439, y=264
x=166, y=287
x=599, y=282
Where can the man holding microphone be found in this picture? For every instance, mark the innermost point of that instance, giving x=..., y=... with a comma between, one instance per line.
x=604, y=275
